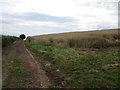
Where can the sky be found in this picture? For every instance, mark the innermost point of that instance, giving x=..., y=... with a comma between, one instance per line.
x=37, y=17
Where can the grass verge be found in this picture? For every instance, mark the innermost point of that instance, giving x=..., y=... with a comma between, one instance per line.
x=81, y=68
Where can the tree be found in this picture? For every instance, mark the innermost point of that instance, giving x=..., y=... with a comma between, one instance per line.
x=22, y=36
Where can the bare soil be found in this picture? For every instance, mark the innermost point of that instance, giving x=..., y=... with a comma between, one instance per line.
x=37, y=77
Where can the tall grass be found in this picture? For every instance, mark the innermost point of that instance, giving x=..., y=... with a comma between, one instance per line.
x=92, y=42
x=91, y=39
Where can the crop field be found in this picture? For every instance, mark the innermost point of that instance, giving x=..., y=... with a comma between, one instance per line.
x=86, y=59
x=89, y=39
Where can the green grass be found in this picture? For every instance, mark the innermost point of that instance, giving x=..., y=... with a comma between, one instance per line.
x=18, y=71
x=0, y=59
x=81, y=69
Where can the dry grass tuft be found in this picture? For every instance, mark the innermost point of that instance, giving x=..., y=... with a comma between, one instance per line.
x=88, y=39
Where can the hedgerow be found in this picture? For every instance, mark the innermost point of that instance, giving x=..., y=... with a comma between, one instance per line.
x=7, y=40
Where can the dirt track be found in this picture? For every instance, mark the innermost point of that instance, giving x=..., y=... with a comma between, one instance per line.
x=37, y=76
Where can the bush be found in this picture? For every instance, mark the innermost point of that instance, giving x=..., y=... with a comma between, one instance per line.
x=22, y=36
x=7, y=40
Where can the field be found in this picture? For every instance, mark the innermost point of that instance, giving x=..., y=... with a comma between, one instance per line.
x=89, y=39
x=67, y=60
x=83, y=59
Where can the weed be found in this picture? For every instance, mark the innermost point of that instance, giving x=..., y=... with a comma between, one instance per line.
x=81, y=69
x=17, y=71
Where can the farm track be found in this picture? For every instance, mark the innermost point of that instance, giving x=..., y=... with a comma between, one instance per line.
x=37, y=77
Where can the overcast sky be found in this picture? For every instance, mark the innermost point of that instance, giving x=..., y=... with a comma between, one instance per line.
x=36, y=17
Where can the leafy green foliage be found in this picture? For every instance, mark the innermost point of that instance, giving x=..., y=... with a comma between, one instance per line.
x=7, y=40
x=22, y=36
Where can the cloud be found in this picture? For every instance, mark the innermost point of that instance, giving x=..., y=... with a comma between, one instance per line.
x=34, y=16
x=36, y=19
x=48, y=16
x=31, y=30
